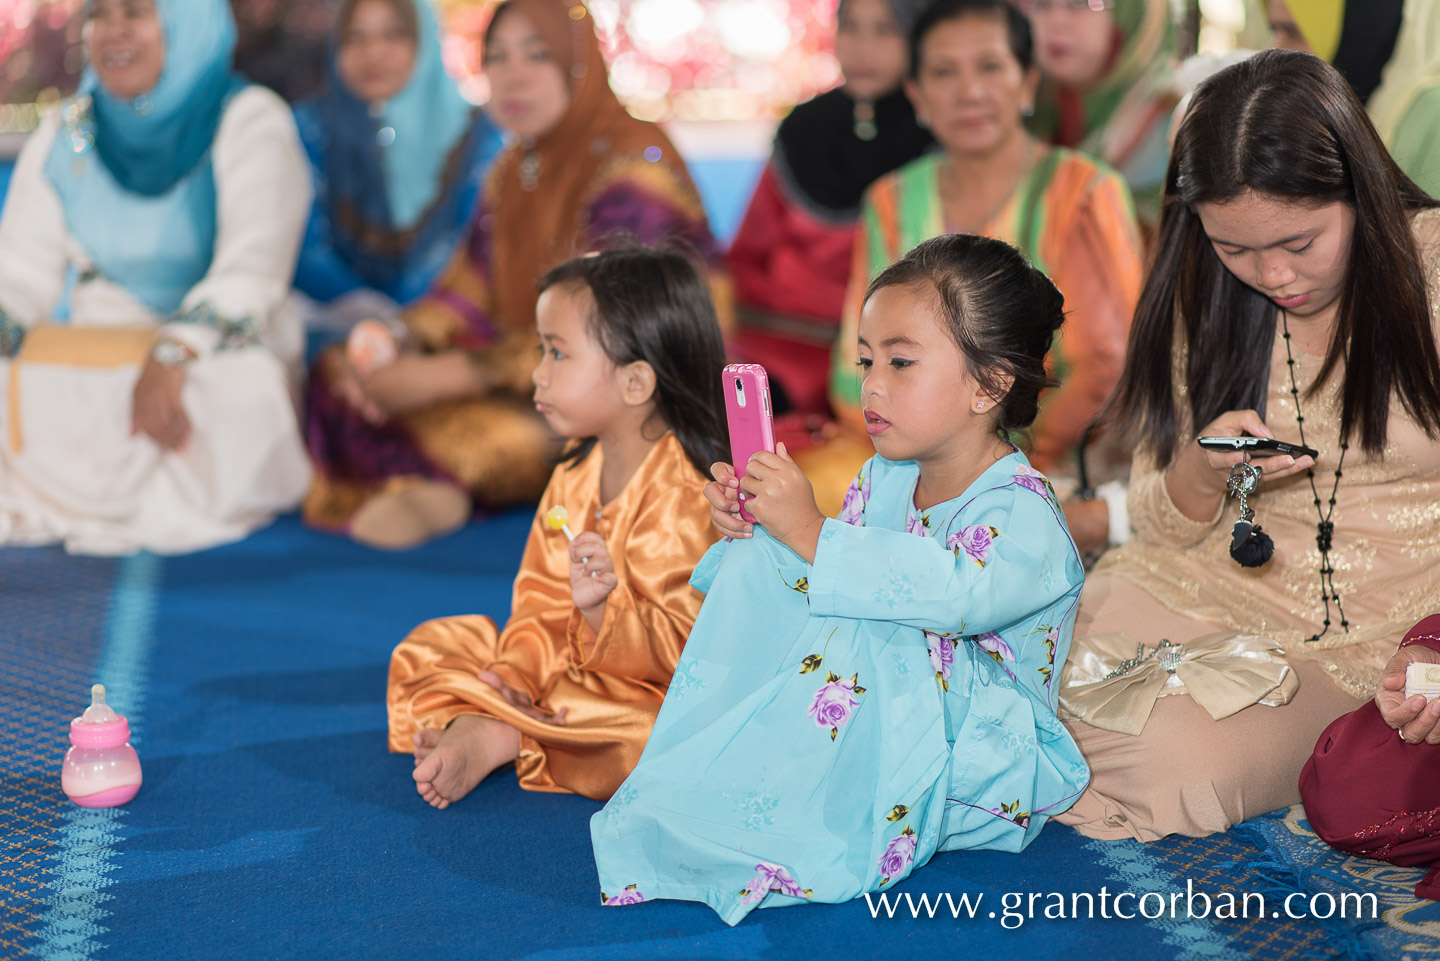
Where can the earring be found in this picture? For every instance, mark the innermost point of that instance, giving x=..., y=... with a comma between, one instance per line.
x=979, y=405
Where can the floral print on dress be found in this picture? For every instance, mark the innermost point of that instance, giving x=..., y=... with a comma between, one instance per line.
x=1012, y=813
x=919, y=526
x=994, y=645
x=1032, y=480
x=812, y=662
x=630, y=895
x=898, y=856
x=771, y=877
x=1051, y=641
x=835, y=702
x=942, y=656
x=852, y=512
x=975, y=541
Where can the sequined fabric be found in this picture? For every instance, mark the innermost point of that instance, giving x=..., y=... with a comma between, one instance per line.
x=1386, y=543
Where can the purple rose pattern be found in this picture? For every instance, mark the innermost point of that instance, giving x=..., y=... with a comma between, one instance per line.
x=974, y=541
x=852, y=512
x=994, y=645
x=899, y=853
x=1033, y=480
x=942, y=656
x=835, y=702
x=629, y=896
x=919, y=526
x=771, y=877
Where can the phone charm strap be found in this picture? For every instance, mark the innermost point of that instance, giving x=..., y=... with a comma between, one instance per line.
x=1249, y=545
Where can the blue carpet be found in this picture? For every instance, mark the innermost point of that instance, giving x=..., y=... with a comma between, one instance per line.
x=273, y=823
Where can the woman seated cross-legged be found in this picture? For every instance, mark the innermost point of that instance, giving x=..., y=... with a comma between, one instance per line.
x=1295, y=295
x=405, y=451
x=161, y=416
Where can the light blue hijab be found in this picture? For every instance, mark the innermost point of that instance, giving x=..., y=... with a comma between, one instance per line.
x=389, y=164
x=393, y=174
x=427, y=113
x=146, y=210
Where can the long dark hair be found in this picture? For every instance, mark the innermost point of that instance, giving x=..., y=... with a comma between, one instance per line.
x=1286, y=125
x=655, y=305
x=1002, y=312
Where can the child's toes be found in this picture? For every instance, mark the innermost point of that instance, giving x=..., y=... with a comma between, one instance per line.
x=425, y=741
x=426, y=770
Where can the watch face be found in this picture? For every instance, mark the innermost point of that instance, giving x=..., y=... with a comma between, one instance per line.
x=168, y=353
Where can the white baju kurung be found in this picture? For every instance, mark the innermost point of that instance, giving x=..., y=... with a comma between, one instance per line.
x=79, y=476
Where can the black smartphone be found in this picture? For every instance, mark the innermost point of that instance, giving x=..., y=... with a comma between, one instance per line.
x=1257, y=445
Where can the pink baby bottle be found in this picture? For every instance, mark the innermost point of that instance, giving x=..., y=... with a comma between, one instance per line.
x=101, y=769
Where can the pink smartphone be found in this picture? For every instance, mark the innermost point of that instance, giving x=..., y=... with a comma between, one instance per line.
x=747, y=410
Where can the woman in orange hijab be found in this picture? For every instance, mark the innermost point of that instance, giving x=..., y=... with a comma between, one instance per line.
x=405, y=452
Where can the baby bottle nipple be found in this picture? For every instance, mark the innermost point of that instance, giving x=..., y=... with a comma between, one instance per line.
x=98, y=712
x=101, y=769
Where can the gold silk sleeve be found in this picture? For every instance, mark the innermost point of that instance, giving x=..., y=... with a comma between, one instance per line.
x=650, y=613
x=437, y=321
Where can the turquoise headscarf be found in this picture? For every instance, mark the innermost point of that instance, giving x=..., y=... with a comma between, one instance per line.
x=428, y=113
x=388, y=162
x=146, y=211
x=151, y=142
x=393, y=173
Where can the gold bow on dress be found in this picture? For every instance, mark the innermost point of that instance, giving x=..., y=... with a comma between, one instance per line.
x=1111, y=681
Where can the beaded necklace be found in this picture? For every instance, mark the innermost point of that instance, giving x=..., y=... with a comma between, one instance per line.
x=1325, y=529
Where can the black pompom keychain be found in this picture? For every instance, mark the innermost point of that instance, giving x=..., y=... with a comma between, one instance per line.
x=1249, y=545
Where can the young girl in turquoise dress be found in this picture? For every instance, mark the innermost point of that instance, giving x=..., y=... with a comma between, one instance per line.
x=861, y=692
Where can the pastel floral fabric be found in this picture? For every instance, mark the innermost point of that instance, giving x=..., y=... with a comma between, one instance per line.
x=905, y=671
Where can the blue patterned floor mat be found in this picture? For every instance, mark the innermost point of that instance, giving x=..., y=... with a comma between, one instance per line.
x=272, y=822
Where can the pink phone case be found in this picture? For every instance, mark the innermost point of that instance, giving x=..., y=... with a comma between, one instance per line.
x=747, y=409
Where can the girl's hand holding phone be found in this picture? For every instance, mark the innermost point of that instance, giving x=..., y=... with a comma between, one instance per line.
x=592, y=576
x=783, y=501
x=724, y=497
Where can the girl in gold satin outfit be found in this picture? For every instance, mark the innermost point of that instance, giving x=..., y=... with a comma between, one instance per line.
x=629, y=370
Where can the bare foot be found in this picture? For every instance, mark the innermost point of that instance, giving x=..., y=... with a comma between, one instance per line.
x=425, y=741
x=400, y=519
x=469, y=749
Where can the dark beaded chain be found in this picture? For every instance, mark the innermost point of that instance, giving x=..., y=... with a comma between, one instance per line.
x=1325, y=529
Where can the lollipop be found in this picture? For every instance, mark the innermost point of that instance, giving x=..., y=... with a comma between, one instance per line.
x=559, y=520
x=371, y=346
